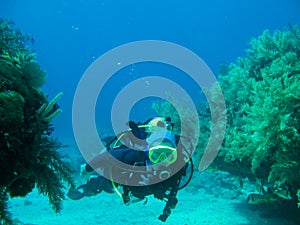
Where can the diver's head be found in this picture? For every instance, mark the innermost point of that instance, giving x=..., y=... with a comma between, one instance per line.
x=162, y=152
x=160, y=123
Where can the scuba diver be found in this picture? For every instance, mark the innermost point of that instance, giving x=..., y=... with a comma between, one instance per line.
x=165, y=159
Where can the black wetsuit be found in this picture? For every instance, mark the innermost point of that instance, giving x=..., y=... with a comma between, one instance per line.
x=125, y=155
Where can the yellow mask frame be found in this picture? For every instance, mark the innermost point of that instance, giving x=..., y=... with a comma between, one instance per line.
x=162, y=153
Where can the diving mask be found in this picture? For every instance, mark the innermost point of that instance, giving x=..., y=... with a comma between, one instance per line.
x=162, y=147
x=162, y=153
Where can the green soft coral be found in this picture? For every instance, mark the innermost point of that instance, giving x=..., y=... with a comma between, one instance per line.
x=262, y=93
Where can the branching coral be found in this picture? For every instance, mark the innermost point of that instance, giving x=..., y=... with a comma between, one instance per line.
x=29, y=157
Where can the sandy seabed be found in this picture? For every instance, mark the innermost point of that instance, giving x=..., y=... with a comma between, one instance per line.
x=210, y=198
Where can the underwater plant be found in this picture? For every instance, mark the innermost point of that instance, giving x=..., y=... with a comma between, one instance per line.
x=29, y=156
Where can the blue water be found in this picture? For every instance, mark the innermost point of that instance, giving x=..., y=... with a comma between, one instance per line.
x=70, y=35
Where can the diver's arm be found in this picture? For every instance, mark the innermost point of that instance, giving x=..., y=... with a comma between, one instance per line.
x=125, y=155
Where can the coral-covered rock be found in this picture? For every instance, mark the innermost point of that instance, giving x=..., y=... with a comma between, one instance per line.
x=11, y=110
x=29, y=156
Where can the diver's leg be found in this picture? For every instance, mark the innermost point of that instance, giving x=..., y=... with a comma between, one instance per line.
x=125, y=155
x=104, y=161
x=93, y=186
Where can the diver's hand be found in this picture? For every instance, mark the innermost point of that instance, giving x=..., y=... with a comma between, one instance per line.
x=83, y=171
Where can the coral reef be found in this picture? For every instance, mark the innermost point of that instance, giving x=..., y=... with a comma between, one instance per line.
x=29, y=156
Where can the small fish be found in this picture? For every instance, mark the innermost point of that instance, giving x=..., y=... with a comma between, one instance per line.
x=259, y=199
x=283, y=193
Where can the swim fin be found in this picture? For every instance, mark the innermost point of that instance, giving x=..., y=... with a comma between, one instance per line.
x=93, y=186
x=74, y=194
